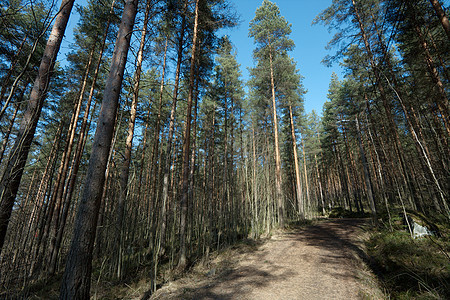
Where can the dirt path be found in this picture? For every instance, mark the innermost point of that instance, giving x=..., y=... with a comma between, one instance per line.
x=323, y=261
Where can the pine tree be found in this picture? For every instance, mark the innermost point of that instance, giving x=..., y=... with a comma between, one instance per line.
x=271, y=34
x=77, y=275
x=10, y=182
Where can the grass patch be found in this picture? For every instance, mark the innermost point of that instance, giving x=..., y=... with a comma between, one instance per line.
x=411, y=268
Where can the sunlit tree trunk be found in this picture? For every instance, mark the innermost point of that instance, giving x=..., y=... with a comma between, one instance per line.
x=298, y=185
x=186, y=147
x=10, y=181
x=278, y=182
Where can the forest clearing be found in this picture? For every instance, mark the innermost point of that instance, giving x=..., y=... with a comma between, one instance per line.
x=136, y=149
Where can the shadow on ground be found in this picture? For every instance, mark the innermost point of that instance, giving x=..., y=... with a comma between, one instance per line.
x=333, y=242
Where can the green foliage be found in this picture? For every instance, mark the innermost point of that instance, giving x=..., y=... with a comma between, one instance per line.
x=270, y=31
x=411, y=269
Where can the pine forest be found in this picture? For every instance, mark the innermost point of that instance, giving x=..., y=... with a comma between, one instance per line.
x=133, y=146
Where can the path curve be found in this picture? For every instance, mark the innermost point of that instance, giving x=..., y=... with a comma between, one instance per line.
x=323, y=261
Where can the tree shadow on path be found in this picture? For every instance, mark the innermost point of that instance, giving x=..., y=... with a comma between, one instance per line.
x=276, y=264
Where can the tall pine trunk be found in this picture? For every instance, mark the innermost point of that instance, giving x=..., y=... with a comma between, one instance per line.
x=59, y=189
x=298, y=185
x=442, y=16
x=170, y=142
x=125, y=171
x=186, y=148
x=77, y=275
x=278, y=183
x=10, y=180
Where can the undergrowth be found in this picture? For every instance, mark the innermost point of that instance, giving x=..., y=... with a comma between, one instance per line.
x=340, y=212
x=411, y=268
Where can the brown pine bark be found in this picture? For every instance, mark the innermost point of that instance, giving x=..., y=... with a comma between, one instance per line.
x=225, y=185
x=85, y=123
x=168, y=161
x=442, y=101
x=366, y=174
x=186, y=148
x=319, y=181
x=72, y=176
x=10, y=182
x=77, y=276
x=278, y=183
x=305, y=173
x=411, y=118
x=442, y=16
x=298, y=185
x=59, y=189
x=387, y=106
x=68, y=191
x=154, y=167
x=162, y=217
x=125, y=171
x=40, y=212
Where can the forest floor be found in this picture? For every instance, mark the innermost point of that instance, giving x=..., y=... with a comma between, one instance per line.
x=321, y=261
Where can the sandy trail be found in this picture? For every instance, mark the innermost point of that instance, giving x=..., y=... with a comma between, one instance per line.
x=323, y=261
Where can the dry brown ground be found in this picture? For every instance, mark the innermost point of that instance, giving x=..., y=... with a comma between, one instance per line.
x=323, y=261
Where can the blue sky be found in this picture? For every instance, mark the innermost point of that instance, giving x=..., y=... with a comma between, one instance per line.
x=310, y=43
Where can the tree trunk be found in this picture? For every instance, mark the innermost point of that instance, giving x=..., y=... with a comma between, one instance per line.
x=168, y=161
x=125, y=171
x=154, y=166
x=162, y=223
x=8, y=132
x=278, y=182
x=305, y=173
x=443, y=103
x=366, y=175
x=387, y=106
x=59, y=188
x=186, y=147
x=77, y=275
x=298, y=185
x=319, y=181
x=10, y=181
x=441, y=15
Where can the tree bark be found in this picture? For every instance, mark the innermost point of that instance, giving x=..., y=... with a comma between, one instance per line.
x=10, y=181
x=387, y=106
x=77, y=275
x=278, y=183
x=168, y=161
x=443, y=103
x=298, y=184
x=442, y=16
x=125, y=171
x=305, y=173
x=186, y=147
x=59, y=188
x=8, y=132
x=366, y=174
